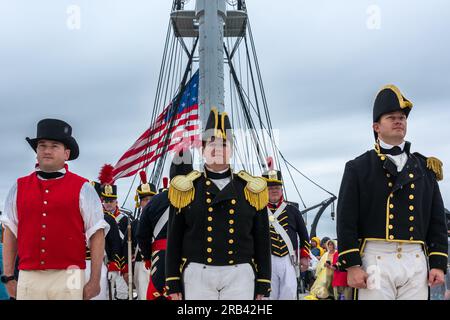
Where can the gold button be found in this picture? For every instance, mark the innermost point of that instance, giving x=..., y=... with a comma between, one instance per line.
x=208, y=182
x=412, y=238
x=231, y=241
x=210, y=219
x=417, y=256
x=391, y=206
x=231, y=221
x=411, y=229
x=231, y=230
x=209, y=260
x=399, y=255
x=392, y=195
x=209, y=239
x=209, y=250
x=233, y=201
x=391, y=237
x=378, y=257
x=231, y=262
x=230, y=252
x=391, y=216
x=391, y=227
x=208, y=200
x=411, y=208
x=210, y=209
x=413, y=185
x=411, y=218
x=390, y=184
x=388, y=175
x=209, y=229
x=383, y=158
x=411, y=197
x=411, y=175
x=399, y=249
x=231, y=211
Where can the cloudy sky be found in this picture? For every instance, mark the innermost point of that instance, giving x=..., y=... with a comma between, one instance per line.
x=322, y=63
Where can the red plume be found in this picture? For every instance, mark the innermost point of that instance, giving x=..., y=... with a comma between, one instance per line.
x=165, y=182
x=270, y=163
x=143, y=177
x=106, y=174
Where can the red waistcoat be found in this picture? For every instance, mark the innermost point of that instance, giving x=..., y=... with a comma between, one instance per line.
x=50, y=231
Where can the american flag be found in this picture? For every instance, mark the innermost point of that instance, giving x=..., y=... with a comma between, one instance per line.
x=150, y=145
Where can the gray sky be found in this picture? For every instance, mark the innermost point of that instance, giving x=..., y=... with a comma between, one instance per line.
x=322, y=63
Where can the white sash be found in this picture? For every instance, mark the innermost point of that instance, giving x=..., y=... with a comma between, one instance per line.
x=273, y=220
x=161, y=222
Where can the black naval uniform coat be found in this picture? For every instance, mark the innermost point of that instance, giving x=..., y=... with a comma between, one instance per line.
x=147, y=223
x=219, y=228
x=113, y=245
x=291, y=220
x=378, y=203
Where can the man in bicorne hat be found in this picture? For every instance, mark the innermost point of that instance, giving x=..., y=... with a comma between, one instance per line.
x=390, y=214
x=50, y=216
x=218, y=243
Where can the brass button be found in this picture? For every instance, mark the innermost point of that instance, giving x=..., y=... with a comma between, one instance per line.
x=231, y=241
x=417, y=256
x=210, y=209
x=231, y=262
x=411, y=175
x=388, y=175
x=209, y=260
x=412, y=238
x=378, y=257
x=411, y=208
x=391, y=206
x=399, y=249
x=383, y=158
x=230, y=252
x=392, y=195
x=391, y=227
x=209, y=229
x=411, y=197
x=391, y=237
x=411, y=218
x=231, y=221
x=390, y=184
x=399, y=255
x=210, y=219
x=209, y=239
x=391, y=216
x=233, y=201
x=231, y=230
x=208, y=182
x=209, y=250
x=208, y=200
x=231, y=211
x=411, y=229
x=413, y=185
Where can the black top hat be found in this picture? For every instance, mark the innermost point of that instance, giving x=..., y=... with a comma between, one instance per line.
x=109, y=191
x=218, y=125
x=98, y=187
x=56, y=130
x=273, y=178
x=145, y=189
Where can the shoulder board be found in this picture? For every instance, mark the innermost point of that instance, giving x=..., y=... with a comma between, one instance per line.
x=256, y=192
x=433, y=164
x=181, y=189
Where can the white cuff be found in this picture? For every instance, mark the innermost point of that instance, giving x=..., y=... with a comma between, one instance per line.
x=102, y=224
x=9, y=224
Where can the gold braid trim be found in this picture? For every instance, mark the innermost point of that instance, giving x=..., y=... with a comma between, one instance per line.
x=256, y=192
x=435, y=165
x=182, y=191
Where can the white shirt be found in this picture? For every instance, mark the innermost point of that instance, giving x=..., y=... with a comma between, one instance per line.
x=90, y=207
x=399, y=160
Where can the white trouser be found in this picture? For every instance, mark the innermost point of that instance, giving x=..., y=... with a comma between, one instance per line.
x=103, y=295
x=120, y=290
x=141, y=279
x=203, y=282
x=397, y=271
x=284, y=280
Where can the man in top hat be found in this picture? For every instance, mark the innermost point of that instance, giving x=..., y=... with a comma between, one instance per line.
x=141, y=275
x=116, y=258
x=152, y=230
x=390, y=215
x=286, y=223
x=218, y=240
x=49, y=217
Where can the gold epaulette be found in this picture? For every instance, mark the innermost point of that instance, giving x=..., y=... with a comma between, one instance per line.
x=435, y=165
x=181, y=190
x=256, y=192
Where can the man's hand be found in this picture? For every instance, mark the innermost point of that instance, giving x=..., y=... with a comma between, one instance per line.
x=357, y=277
x=435, y=277
x=259, y=297
x=176, y=296
x=304, y=264
x=91, y=289
x=11, y=287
